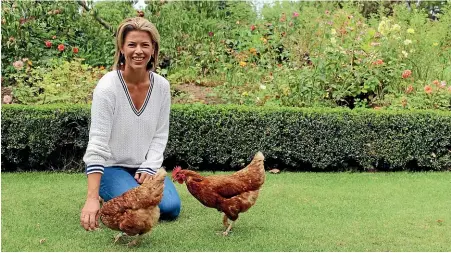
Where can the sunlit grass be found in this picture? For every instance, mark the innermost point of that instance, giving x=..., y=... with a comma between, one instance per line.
x=295, y=212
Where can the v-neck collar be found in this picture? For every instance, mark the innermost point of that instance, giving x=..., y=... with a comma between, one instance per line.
x=127, y=93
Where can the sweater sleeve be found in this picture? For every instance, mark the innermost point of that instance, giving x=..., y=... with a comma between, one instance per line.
x=98, y=150
x=154, y=158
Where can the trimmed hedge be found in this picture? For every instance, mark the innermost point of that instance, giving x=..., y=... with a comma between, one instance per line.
x=226, y=137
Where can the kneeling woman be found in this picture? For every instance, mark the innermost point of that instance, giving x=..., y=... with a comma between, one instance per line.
x=129, y=123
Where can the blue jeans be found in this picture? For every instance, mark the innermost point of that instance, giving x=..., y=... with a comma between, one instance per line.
x=117, y=180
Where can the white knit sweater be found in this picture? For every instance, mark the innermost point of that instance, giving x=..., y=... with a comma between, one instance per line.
x=120, y=134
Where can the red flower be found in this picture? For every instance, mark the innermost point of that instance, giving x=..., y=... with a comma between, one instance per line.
x=48, y=43
x=61, y=47
x=75, y=50
x=428, y=89
x=210, y=34
x=253, y=27
x=406, y=73
x=378, y=62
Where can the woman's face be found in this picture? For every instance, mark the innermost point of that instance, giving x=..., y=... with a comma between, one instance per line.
x=137, y=49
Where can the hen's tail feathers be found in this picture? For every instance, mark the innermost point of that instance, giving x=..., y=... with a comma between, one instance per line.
x=156, y=185
x=159, y=177
x=259, y=156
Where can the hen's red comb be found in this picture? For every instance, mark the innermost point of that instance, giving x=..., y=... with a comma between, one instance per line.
x=176, y=170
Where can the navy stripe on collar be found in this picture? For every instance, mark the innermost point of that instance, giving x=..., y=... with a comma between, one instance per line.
x=146, y=100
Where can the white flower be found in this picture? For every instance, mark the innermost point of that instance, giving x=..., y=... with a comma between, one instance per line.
x=407, y=42
x=262, y=87
x=405, y=53
x=18, y=64
x=7, y=99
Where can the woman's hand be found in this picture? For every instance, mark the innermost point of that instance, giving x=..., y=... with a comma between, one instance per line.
x=141, y=176
x=89, y=218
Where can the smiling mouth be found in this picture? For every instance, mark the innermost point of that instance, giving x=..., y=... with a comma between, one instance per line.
x=138, y=58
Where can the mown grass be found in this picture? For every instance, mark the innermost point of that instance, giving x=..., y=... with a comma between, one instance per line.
x=295, y=212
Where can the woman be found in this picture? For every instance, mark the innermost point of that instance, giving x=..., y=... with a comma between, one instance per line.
x=129, y=123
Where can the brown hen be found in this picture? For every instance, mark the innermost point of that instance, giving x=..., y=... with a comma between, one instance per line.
x=136, y=211
x=230, y=194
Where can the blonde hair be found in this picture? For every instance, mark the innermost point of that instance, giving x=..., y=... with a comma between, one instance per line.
x=136, y=24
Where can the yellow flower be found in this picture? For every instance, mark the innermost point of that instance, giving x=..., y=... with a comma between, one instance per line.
x=333, y=31
x=396, y=27
x=243, y=63
x=253, y=51
x=333, y=41
x=244, y=93
x=411, y=31
x=435, y=44
x=384, y=26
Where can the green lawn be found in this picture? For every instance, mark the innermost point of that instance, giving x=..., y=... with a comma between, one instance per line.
x=295, y=212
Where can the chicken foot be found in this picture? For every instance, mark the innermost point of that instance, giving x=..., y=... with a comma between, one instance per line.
x=225, y=233
x=119, y=236
x=227, y=225
x=135, y=242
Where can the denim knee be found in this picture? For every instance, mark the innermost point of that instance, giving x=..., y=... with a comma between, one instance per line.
x=170, y=211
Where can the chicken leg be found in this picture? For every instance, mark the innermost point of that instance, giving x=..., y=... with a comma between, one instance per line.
x=225, y=233
x=225, y=221
x=118, y=236
x=227, y=225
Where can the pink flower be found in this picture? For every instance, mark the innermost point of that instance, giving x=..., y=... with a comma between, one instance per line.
x=409, y=89
x=54, y=37
x=210, y=34
x=436, y=82
x=442, y=84
x=18, y=64
x=61, y=47
x=327, y=12
x=428, y=89
x=295, y=14
x=48, y=43
x=406, y=73
x=7, y=99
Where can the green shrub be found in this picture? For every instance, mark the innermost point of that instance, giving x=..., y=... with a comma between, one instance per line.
x=225, y=137
x=63, y=82
x=43, y=137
